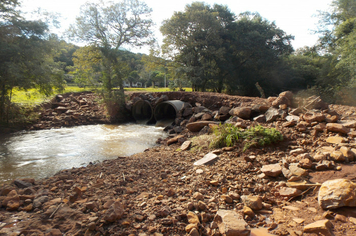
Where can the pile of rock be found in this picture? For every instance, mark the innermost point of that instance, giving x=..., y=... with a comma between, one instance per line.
x=71, y=109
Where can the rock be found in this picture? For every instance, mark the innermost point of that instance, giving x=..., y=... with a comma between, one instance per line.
x=297, y=151
x=289, y=192
x=190, y=227
x=348, y=123
x=198, y=196
x=319, y=227
x=327, y=150
x=242, y=112
x=315, y=102
x=272, y=170
x=335, y=140
x=293, y=118
x=338, y=128
x=281, y=100
x=22, y=184
x=337, y=156
x=115, y=212
x=174, y=139
x=341, y=218
x=193, y=218
x=206, y=117
x=337, y=193
x=37, y=202
x=230, y=223
x=325, y=165
x=287, y=94
x=271, y=114
x=260, y=119
x=12, y=201
x=185, y=145
x=331, y=118
x=319, y=157
x=346, y=151
x=253, y=202
x=296, y=112
x=208, y=158
x=54, y=232
x=194, y=232
x=198, y=125
x=313, y=117
x=297, y=171
x=226, y=198
x=306, y=163
x=223, y=113
x=201, y=206
x=249, y=212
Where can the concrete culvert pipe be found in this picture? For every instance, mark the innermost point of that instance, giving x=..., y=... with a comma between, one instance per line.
x=167, y=111
x=142, y=111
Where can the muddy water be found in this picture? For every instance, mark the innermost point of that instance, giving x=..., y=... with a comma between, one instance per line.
x=39, y=154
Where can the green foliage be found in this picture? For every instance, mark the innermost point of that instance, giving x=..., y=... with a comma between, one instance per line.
x=261, y=136
x=221, y=52
x=328, y=69
x=107, y=26
x=228, y=135
x=27, y=56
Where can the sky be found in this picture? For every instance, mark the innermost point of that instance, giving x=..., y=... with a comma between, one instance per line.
x=295, y=17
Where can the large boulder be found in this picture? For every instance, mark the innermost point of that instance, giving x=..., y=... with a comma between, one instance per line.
x=337, y=193
x=231, y=223
x=198, y=125
x=242, y=112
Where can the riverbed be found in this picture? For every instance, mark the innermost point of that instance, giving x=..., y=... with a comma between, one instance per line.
x=42, y=153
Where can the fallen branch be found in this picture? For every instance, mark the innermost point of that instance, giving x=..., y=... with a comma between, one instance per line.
x=54, y=212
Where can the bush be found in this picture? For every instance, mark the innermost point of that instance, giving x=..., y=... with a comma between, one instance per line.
x=228, y=135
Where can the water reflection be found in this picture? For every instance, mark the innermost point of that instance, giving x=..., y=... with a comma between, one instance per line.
x=38, y=154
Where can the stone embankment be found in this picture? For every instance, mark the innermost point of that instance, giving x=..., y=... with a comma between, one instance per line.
x=303, y=185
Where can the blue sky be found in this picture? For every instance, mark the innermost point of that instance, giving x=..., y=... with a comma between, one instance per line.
x=295, y=17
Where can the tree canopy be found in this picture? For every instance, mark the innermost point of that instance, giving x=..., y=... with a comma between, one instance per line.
x=26, y=55
x=220, y=51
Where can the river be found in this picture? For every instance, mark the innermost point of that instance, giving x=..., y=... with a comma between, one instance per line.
x=42, y=153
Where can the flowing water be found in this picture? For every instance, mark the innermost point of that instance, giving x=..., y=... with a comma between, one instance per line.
x=39, y=154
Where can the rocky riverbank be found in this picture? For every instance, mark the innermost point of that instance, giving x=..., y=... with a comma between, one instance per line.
x=169, y=190
x=71, y=109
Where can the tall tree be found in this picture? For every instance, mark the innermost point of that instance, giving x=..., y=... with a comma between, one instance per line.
x=26, y=55
x=338, y=48
x=109, y=26
x=218, y=50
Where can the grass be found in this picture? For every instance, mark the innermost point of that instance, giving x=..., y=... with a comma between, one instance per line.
x=34, y=97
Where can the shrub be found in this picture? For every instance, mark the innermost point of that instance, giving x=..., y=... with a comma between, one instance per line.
x=228, y=135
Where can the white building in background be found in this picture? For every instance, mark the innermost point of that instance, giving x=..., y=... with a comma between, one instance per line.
x=134, y=84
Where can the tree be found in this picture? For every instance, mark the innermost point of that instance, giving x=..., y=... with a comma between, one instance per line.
x=87, y=66
x=194, y=39
x=337, y=48
x=133, y=77
x=219, y=51
x=26, y=56
x=109, y=26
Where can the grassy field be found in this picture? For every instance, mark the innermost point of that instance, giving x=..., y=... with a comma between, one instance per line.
x=33, y=97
